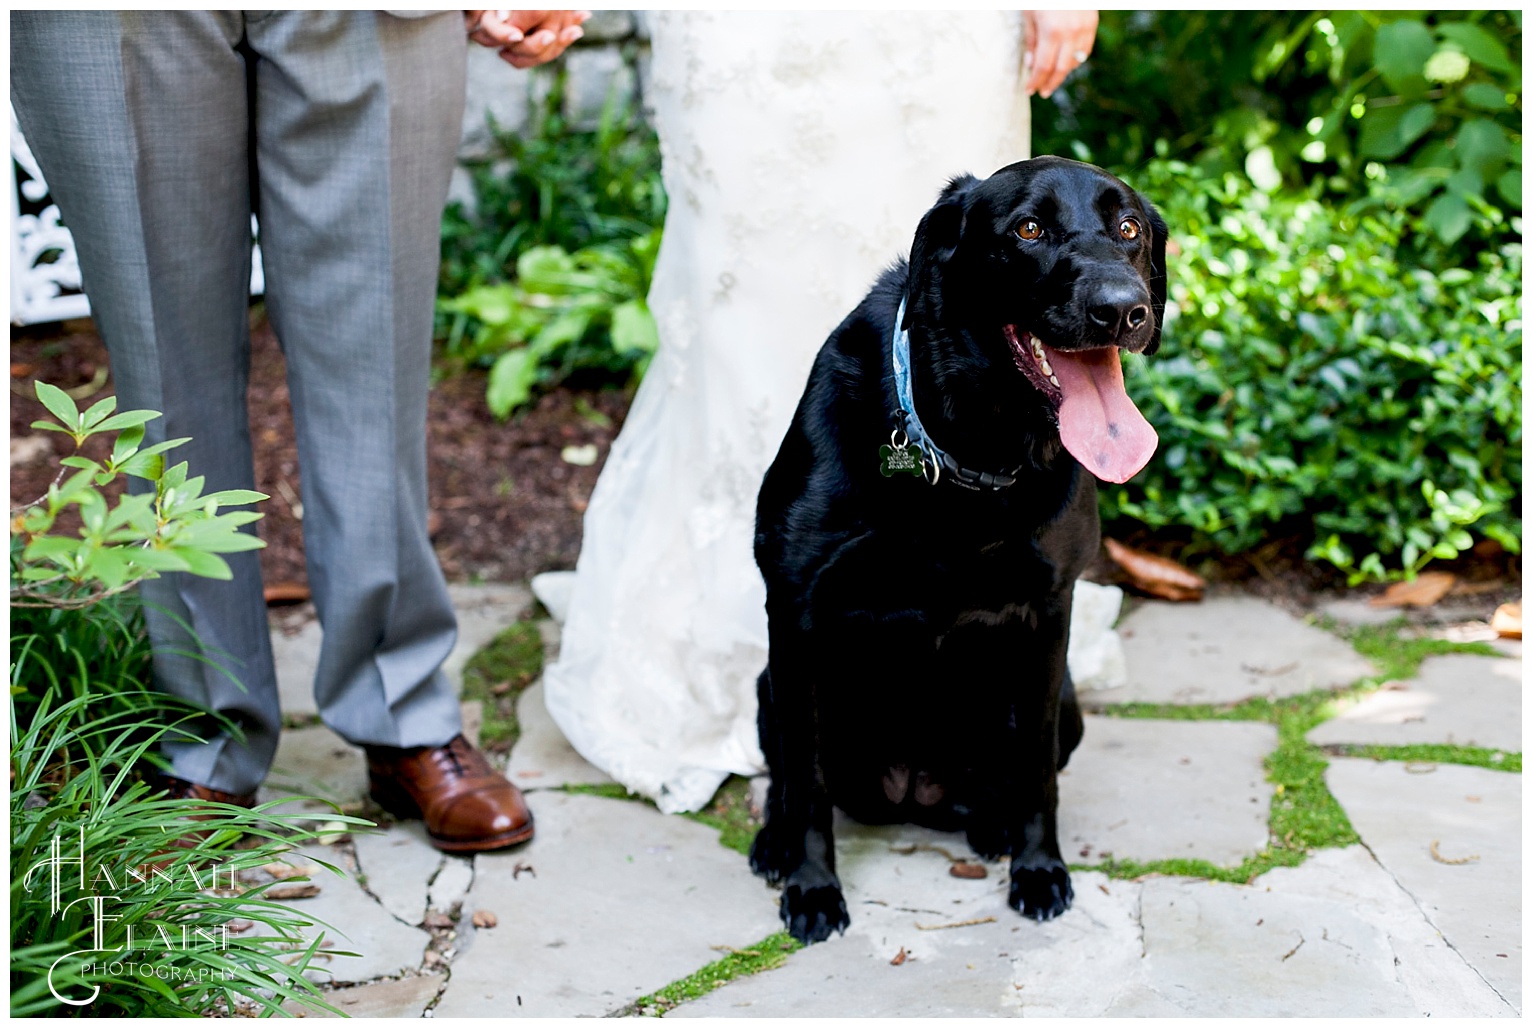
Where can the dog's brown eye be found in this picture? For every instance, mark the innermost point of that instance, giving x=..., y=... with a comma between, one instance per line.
x=1128, y=228
x=1029, y=229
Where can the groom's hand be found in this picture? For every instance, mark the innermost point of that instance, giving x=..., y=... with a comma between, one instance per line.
x=526, y=38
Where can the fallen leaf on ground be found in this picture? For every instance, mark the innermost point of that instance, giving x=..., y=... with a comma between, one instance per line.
x=899, y=957
x=485, y=919
x=1507, y=621
x=282, y=593
x=436, y=919
x=281, y=872
x=1436, y=855
x=963, y=869
x=1157, y=576
x=292, y=892
x=22, y=370
x=580, y=456
x=1427, y=588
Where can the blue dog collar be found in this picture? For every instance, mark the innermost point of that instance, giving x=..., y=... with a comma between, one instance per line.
x=934, y=459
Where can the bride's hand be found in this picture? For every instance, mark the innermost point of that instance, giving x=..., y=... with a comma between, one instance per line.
x=525, y=38
x=1058, y=42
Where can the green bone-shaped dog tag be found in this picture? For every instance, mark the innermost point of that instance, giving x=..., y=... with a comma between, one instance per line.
x=901, y=460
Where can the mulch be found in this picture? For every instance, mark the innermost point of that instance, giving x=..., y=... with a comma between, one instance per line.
x=505, y=504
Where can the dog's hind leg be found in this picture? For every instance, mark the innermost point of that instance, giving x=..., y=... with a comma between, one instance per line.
x=796, y=846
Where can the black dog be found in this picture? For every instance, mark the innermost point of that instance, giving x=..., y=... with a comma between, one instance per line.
x=923, y=524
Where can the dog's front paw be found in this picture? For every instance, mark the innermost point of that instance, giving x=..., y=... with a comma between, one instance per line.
x=1041, y=893
x=811, y=914
x=774, y=855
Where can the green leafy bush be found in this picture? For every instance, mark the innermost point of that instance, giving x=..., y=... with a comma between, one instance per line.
x=584, y=310
x=548, y=273
x=174, y=528
x=1315, y=384
x=117, y=908
x=124, y=902
x=1334, y=101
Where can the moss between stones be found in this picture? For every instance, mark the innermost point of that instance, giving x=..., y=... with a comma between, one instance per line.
x=497, y=675
x=770, y=952
x=1304, y=815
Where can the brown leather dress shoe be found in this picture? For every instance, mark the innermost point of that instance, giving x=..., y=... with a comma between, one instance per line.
x=180, y=789
x=467, y=805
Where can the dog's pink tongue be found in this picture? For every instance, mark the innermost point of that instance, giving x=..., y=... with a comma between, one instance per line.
x=1098, y=424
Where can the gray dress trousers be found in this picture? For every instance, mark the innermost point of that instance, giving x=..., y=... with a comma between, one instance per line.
x=159, y=132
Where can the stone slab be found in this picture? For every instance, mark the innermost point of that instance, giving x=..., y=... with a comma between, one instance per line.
x=1468, y=813
x=314, y=761
x=1223, y=650
x=1157, y=790
x=609, y=902
x=898, y=901
x=386, y=947
x=398, y=865
x=1335, y=937
x=542, y=758
x=401, y=997
x=1457, y=698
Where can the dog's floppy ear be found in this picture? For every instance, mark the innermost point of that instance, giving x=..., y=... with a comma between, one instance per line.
x=936, y=239
x=1158, y=289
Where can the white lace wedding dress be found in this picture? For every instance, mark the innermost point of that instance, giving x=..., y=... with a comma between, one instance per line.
x=800, y=151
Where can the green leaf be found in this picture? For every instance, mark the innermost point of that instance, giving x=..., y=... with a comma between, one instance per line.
x=544, y=269
x=1482, y=145
x=1388, y=132
x=48, y=426
x=1400, y=51
x=59, y=405
x=1449, y=216
x=160, y=559
x=96, y=413
x=493, y=305
x=127, y=419
x=633, y=328
x=567, y=328
x=1509, y=186
x=1485, y=97
x=1480, y=45
x=236, y=497
x=205, y=565
x=510, y=382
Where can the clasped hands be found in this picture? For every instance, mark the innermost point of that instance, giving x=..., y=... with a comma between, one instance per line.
x=525, y=38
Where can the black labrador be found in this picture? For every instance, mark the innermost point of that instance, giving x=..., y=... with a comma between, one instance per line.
x=925, y=519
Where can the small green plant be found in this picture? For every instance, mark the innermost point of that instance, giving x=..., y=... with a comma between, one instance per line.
x=564, y=311
x=126, y=904
x=547, y=274
x=173, y=528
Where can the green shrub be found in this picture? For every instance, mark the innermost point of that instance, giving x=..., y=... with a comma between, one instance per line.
x=97, y=857
x=181, y=907
x=1428, y=101
x=1314, y=384
x=174, y=528
x=553, y=185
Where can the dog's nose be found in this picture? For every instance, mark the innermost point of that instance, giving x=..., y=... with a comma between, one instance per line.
x=1115, y=308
